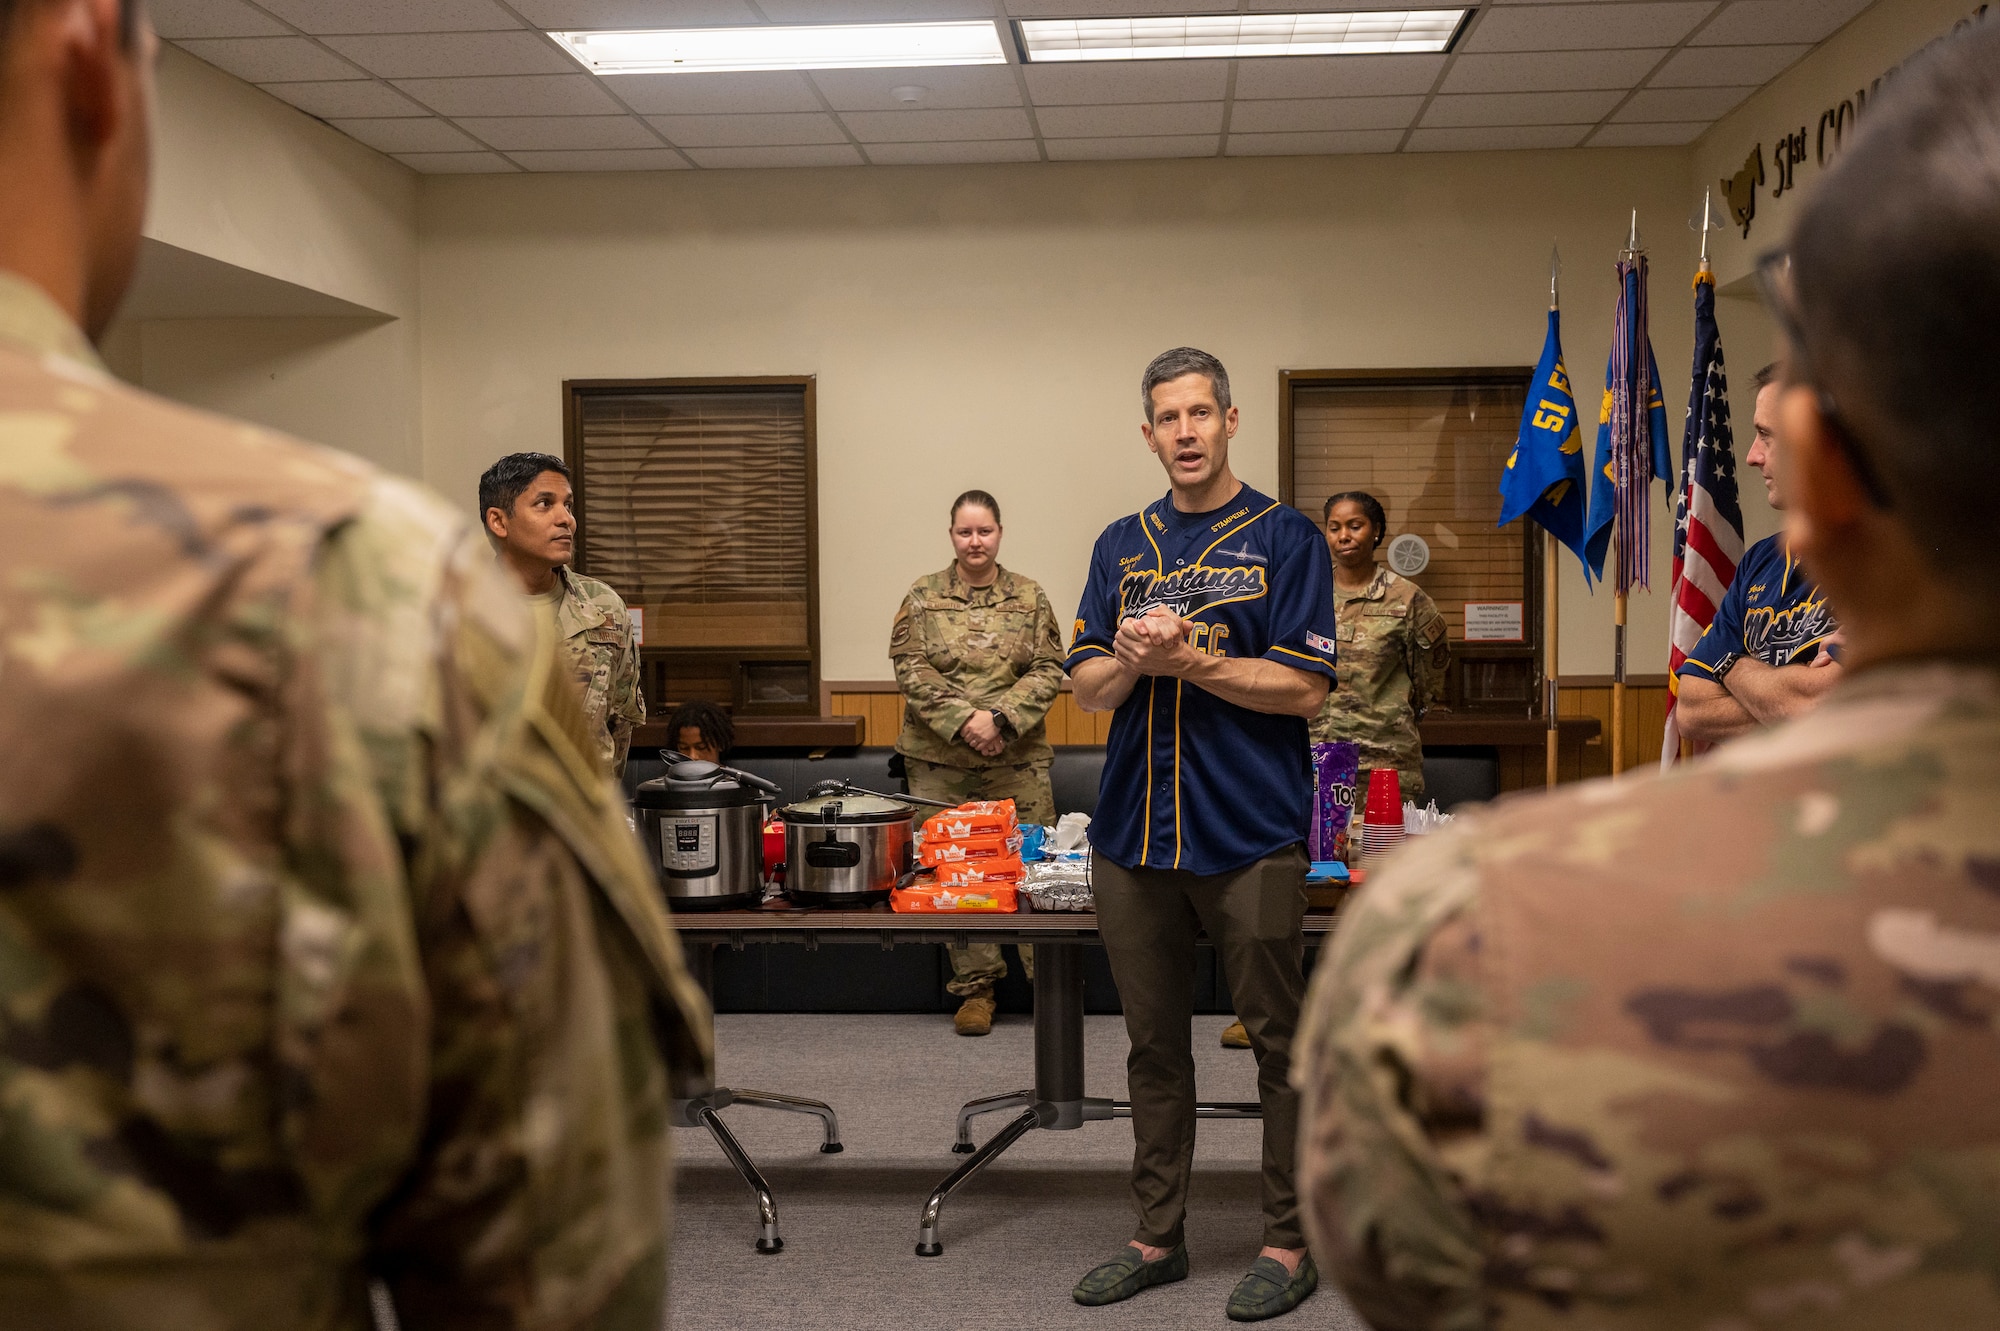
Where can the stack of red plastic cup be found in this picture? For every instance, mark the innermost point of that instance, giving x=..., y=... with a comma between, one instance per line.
x=1382, y=828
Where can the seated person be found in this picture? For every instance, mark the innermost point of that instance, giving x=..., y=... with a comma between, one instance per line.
x=1770, y=652
x=701, y=730
x=1714, y=1049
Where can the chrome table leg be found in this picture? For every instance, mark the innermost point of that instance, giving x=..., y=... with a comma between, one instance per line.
x=927, y=1227
x=793, y=1104
x=985, y=1104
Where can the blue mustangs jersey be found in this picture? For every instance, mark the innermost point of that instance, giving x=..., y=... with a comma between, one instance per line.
x=1772, y=611
x=1190, y=781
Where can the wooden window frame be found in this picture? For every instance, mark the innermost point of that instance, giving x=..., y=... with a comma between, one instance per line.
x=1533, y=548
x=573, y=393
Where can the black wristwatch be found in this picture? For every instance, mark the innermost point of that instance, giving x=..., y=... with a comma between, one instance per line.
x=1000, y=721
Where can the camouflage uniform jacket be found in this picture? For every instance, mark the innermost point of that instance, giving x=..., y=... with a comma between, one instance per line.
x=1391, y=664
x=959, y=650
x=324, y=949
x=1713, y=1051
x=597, y=635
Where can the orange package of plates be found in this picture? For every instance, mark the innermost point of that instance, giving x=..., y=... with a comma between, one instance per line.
x=977, y=818
x=980, y=872
x=969, y=851
x=927, y=898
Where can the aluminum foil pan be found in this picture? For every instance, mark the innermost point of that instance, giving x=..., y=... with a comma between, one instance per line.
x=1058, y=885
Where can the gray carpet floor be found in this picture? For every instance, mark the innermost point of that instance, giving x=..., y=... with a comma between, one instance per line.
x=1015, y=1239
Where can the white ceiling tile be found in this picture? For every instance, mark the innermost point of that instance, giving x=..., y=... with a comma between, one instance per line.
x=873, y=11
x=1724, y=66
x=1748, y=22
x=1587, y=27
x=944, y=87
x=938, y=154
x=1112, y=8
x=1495, y=139
x=748, y=131
x=457, y=164
x=345, y=98
x=1668, y=133
x=624, y=159
x=325, y=16
x=1097, y=122
x=417, y=134
x=714, y=94
x=454, y=55
x=1102, y=82
x=174, y=19
x=1295, y=115
x=831, y=154
x=559, y=133
x=1313, y=145
x=270, y=59
x=1099, y=150
x=1338, y=76
x=1681, y=103
x=936, y=126
x=1551, y=71
x=525, y=95
x=634, y=13
x=1521, y=108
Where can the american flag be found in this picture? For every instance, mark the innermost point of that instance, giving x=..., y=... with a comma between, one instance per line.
x=1708, y=520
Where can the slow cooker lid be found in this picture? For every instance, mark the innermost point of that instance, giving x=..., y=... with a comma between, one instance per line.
x=851, y=809
x=712, y=790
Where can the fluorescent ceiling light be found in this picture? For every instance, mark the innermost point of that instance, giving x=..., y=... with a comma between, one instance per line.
x=1226, y=36
x=820, y=46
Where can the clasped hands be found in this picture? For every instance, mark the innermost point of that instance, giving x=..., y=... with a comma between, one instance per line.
x=982, y=732
x=1155, y=643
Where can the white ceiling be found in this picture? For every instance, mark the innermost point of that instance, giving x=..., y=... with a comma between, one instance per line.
x=452, y=86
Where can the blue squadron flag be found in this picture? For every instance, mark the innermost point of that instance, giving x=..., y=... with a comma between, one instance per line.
x=1632, y=449
x=1544, y=475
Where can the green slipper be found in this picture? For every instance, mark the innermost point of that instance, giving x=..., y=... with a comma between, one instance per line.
x=1127, y=1274
x=1269, y=1290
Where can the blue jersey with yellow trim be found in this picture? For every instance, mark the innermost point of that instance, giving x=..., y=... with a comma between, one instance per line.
x=1772, y=611
x=1190, y=781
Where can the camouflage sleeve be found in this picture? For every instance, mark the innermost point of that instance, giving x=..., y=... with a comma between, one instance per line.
x=628, y=701
x=926, y=692
x=1034, y=692
x=558, y=1004
x=1390, y=1063
x=1428, y=643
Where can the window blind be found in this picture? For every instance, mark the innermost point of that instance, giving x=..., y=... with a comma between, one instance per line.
x=695, y=508
x=1432, y=454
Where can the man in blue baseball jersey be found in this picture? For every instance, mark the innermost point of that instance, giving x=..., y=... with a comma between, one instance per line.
x=1771, y=652
x=1207, y=624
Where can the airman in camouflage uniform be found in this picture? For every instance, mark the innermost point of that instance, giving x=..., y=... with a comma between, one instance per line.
x=1392, y=664
x=324, y=949
x=1715, y=1050
x=597, y=637
x=1711, y=1052
x=959, y=650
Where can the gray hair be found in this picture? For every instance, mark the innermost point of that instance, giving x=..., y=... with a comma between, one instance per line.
x=1171, y=365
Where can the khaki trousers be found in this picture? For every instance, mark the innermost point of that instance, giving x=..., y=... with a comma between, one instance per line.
x=1148, y=919
x=976, y=968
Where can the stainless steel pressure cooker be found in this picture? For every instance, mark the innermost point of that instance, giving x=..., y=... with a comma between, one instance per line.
x=846, y=848
x=703, y=825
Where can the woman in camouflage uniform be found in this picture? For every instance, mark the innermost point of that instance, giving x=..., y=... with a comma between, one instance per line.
x=1393, y=654
x=979, y=659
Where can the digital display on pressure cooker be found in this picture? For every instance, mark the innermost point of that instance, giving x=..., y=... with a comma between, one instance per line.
x=687, y=843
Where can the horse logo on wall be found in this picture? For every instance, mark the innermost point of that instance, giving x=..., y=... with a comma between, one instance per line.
x=1741, y=189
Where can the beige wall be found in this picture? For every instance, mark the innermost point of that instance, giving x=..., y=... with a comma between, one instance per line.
x=987, y=325
x=292, y=208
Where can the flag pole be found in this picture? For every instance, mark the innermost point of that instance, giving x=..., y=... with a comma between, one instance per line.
x=1686, y=745
x=1618, y=602
x=1551, y=671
